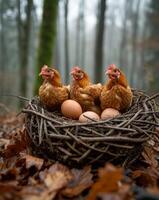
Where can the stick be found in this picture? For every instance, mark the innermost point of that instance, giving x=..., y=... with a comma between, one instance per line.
x=12, y=95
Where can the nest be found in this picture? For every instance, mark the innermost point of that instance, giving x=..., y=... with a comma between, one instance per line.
x=119, y=139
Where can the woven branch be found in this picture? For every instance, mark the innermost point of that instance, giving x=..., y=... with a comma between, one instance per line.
x=120, y=139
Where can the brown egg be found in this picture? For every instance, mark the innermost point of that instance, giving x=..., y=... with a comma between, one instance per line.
x=89, y=114
x=109, y=113
x=71, y=109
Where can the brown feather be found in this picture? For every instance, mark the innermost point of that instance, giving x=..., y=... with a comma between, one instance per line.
x=52, y=93
x=86, y=94
x=116, y=94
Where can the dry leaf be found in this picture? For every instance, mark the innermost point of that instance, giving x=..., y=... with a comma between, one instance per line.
x=150, y=156
x=154, y=190
x=38, y=192
x=109, y=197
x=56, y=178
x=33, y=161
x=52, y=181
x=107, y=182
x=108, y=168
x=82, y=179
x=4, y=142
x=144, y=178
x=18, y=144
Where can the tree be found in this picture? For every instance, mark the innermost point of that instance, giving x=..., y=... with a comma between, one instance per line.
x=80, y=35
x=143, y=83
x=152, y=47
x=8, y=48
x=99, y=41
x=66, y=43
x=2, y=43
x=47, y=38
x=123, y=44
x=135, y=27
x=24, y=28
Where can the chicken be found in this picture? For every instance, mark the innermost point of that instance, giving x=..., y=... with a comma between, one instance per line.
x=84, y=92
x=116, y=93
x=52, y=93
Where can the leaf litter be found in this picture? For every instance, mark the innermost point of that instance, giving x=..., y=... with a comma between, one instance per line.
x=25, y=176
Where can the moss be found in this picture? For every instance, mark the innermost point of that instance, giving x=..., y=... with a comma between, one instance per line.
x=47, y=38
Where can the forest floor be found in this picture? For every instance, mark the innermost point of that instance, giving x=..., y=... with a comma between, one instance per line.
x=23, y=176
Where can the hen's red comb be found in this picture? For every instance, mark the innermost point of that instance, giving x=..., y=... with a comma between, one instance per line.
x=112, y=66
x=44, y=67
x=76, y=68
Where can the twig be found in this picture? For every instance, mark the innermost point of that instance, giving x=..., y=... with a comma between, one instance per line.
x=79, y=140
x=113, y=139
x=41, y=115
x=12, y=95
x=4, y=107
x=152, y=97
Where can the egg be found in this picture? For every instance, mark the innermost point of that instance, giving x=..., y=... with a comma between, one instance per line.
x=89, y=114
x=109, y=113
x=71, y=109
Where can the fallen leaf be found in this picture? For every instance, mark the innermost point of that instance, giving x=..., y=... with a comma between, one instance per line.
x=149, y=156
x=108, y=182
x=33, y=161
x=10, y=186
x=52, y=180
x=4, y=142
x=10, y=174
x=107, y=168
x=9, y=190
x=108, y=197
x=55, y=178
x=154, y=190
x=124, y=193
x=144, y=178
x=82, y=179
x=18, y=143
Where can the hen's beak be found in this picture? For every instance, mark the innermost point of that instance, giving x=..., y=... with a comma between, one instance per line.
x=108, y=72
x=40, y=73
x=43, y=70
x=72, y=72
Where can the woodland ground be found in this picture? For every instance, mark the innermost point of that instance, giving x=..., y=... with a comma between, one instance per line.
x=23, y=176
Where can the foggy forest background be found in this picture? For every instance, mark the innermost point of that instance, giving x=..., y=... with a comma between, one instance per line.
x=64, y=33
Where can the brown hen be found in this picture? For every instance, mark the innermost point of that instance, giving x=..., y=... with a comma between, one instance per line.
x=116, y=93
x=52, y=93
x=84, y=92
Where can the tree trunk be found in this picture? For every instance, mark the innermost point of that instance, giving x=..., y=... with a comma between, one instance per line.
x=2, y=46
x=77, y=42
x=57, y=55
x=99, y=41
x=152, y=48
x=66, y=43
x=110, y=54
x=80, y=35
x=123, y=58
x=142, y=82
x=47, y=38
x=134, y=42
x=24, y=28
